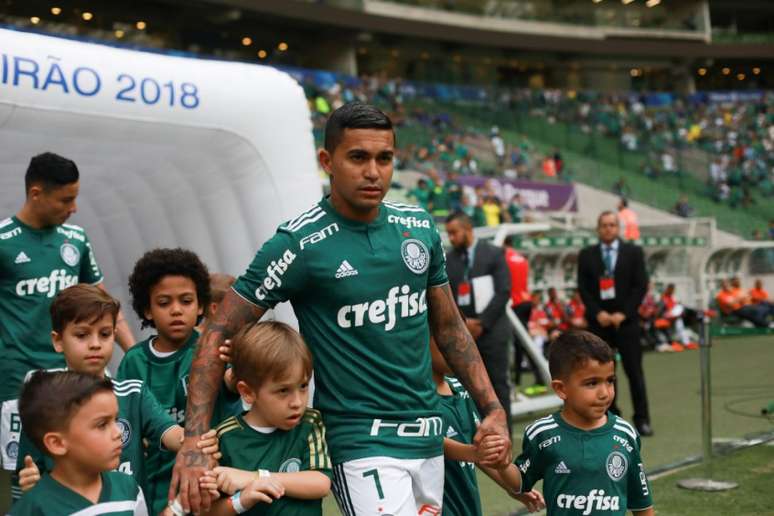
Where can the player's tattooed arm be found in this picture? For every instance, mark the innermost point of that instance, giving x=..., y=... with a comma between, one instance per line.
x=459, y=349
x=207, y=368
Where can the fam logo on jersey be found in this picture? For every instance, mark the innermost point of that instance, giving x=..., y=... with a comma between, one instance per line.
x=415, y=255
x=70, y=254
x=616, y=465
x=126, y=431
x=290, y=466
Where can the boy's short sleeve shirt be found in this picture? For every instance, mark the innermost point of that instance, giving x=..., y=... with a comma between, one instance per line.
x=120, y=496
x=302, y=448
x=460, y=420
x=36, y=264
x=599, y=471
x=360, y=291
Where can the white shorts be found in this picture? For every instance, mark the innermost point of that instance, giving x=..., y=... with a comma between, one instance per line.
x=386, y=486
x=10, y=431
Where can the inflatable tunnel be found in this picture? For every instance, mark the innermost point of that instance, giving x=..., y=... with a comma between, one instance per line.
x=173, y=151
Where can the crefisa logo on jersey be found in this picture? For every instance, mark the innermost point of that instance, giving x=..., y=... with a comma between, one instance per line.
x=290, y=466
x=415, y=255
x=70, y=254
x=126, y=431
x=616, y=465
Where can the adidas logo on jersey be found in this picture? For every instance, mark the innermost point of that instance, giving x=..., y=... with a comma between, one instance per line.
x=345, y=270
x=562, y=469
x=22, y=258
x=451, y=432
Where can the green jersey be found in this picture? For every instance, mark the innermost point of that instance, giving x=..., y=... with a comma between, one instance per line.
x=439, y=201
x=585, y=471
x=120, y=496
x=359, y=291
x=460, y=419
x=36, y=264
x=166, y=376
x=140, y=417
x=303, y=448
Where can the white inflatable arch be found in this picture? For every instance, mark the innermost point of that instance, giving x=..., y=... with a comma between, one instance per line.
x=173, y=151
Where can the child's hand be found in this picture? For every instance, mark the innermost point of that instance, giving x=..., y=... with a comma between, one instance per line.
x=231, y=480
x=262, y=490
x=209, y=482
x=29, y=475
x=230, y=380
x=489, y=450
x=225, y=351
x=532, y=500
x=208, y=443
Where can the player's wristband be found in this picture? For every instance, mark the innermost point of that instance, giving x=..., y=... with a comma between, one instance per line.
x=264, y=473
x=236, y=503
x=176, y=508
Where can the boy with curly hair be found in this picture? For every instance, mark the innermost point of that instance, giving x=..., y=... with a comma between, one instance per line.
x=170, y=289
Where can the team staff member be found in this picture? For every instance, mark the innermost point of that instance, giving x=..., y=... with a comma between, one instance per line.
x=367, y=282
x=468, y=259
x=612, y=282
x=40, y=255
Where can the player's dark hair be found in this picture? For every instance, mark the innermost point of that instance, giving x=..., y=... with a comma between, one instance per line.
x=355, y=115
x=158, y=263
x=572, y=349
x=605, y=214
x=82, y=303
x=49, y=401
x=268, y=350
x=50, y=171
x=219, y=285
x=461, y=217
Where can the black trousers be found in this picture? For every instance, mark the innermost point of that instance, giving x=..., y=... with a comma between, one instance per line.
x=493, y=347
x=626, y=340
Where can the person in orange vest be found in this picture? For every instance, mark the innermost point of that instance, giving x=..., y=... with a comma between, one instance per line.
x=673, y=312
x=628, y=219
x=576, y=311
x=730, y=303
x=758, y=294
x=556, y=312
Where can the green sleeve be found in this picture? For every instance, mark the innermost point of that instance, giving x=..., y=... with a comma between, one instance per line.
x=155, y=420
x=276, y=273
x=315, y=456
x=637, y=486
x=436, y=275
x=90, y=272
x=528, y=464
x=127, y=369
x=27, y=506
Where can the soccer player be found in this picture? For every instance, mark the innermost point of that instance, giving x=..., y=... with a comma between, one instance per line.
x=460, y=418
x=588, y=458
x=279, y=437
x=170, y=288
x=83, y=318
x=73, y=418
x=40, y=255
x=367, y=282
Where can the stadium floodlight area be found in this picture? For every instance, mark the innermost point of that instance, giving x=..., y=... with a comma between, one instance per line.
x=173, y=151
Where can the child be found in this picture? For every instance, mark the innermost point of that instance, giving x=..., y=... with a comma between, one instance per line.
x=219, y=284
x=460, y=418
x=588, y=458
x=279, y=437
x=73, y=418
x=170, y=288
x=83, y=319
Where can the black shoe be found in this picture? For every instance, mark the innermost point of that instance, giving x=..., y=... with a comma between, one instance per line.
x=644, y=429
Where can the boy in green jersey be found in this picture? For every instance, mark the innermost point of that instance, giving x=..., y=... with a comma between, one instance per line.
x=461, y=456
x=588, y=458
x=74, y=418
x=83, y=319
x=275, y=458
x=170, y=289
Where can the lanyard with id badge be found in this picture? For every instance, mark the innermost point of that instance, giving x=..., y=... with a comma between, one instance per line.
x=607, y=281
x=464, y=290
